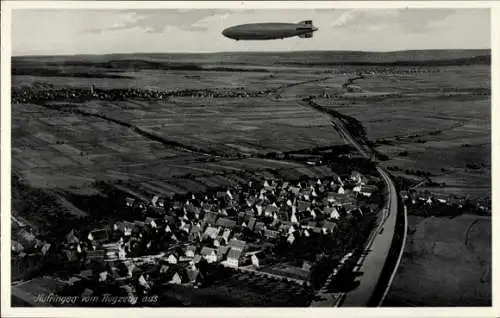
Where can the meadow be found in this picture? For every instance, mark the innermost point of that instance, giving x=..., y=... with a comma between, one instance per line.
x=458, y=260
x=435, y=122
x=423, y=117
x=70, y=145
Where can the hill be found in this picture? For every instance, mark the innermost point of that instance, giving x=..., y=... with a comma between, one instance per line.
x=295, y=58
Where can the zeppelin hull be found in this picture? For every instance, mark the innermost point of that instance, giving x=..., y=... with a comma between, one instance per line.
x=269, y=31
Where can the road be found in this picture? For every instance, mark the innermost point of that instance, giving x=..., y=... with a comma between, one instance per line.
x=378, y=250
x=339, y=126
x=370, y=265
x=373, y=260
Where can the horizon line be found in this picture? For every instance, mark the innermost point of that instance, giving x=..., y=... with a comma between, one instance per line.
x=239, y=52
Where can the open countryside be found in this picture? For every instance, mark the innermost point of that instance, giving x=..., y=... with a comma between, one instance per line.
x=208, y=181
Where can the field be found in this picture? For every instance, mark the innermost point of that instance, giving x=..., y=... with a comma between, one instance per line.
x=68, y=149
x=435, y=121
x=457, y=260
x=243, y=290
x=68, y=145
x=426, y=116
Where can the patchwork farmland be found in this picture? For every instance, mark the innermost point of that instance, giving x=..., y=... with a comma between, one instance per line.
x=70, y=145
x=81, y=136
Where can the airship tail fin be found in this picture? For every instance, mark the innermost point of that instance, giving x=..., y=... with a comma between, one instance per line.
x=308, y=23
x=307, y=27
x=306, y=35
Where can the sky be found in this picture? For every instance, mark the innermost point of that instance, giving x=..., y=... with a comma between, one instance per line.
x=104, y=31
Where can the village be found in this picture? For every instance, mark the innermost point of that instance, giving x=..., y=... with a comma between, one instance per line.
x=29, y=95
x=273, y=229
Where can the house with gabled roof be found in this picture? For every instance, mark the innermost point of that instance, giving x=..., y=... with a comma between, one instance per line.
x=209, y=254
x=191, y=208
x=87, y=293
x=186, y=227
x=269, y=185
x=358, y=177
x=233, y=258
x=210, y=218
x=192, y=274
x=251, y=223
x=211, y=232
x=99, y=235
x=226, y=223
x=255, y=260
x=259, y=226
x=176, y=279
x=237, y=244
x=86, y=274
x=334, y=213
x=222, y=252
x=302, y=205
x=190, y=251
x=172, y=259
x=356, y=189
x=270, y=209
x=207, y=207
x=218, y=241
x=271, y=234
x=251, y=200
x=328, y=226
x=368, y=190
x=226, y=235
x=195, y=231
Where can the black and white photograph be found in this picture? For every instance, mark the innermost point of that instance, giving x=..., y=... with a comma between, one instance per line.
x=240, y=156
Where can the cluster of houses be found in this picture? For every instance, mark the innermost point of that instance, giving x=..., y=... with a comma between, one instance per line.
x=24, y=239
x=27, y=95
x=424, y=198
x=27, y=249
x=170, y=240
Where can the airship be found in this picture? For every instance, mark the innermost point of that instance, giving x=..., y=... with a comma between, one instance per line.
x=270, y=31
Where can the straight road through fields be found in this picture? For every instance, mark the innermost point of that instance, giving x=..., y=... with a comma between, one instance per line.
x=377, y=252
